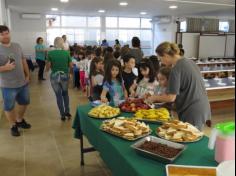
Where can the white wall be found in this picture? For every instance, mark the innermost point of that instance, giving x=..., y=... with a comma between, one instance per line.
x=190, y=43
x=3, y=13
x=26, y=31
x=164, y=32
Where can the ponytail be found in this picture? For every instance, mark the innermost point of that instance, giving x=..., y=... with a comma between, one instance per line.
x=168, y=48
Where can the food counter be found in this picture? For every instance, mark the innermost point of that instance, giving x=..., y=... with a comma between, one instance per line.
x=122, y=159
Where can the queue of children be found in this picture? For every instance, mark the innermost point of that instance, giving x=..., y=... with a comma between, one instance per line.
x=112, y=74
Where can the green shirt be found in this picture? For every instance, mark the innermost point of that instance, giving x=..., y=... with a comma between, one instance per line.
x=40, y=54
x=60, y=60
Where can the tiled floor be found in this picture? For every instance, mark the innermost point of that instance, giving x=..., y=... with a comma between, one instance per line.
x=49, y=149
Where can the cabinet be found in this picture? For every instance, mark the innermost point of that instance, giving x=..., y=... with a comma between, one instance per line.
x=218, y=72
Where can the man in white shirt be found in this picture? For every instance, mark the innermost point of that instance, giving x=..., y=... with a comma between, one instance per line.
x=66, y=44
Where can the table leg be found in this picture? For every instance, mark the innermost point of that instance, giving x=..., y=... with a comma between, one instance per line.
x=84, y=150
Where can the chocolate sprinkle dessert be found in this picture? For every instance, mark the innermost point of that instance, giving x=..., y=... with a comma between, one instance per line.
x=160, y=149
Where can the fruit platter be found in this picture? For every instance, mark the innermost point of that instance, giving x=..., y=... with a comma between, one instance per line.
x=153, y=115
x=126, y=128
x=133, y=105
x=104, y=112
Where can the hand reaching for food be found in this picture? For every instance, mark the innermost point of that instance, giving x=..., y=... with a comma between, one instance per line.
x=104, y=100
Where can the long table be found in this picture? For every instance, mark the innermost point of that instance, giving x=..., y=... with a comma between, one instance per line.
x=122, y=159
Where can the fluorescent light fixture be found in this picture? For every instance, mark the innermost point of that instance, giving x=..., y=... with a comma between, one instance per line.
x=64, y=1
x=173, y=7
x=101, y=11
x=143, y=13
x=54, y=9
x=123, y=3
x=201, y=2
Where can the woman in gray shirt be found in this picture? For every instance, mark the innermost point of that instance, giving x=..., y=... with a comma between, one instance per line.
x=185, y=87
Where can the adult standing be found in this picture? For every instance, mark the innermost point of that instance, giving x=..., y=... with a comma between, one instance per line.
x=60, y=63
x=65, y=44
x=117, y=44
x=186, y=87
x=40, y=56
x=14, y=79
x=105, y=44
x=136, y=50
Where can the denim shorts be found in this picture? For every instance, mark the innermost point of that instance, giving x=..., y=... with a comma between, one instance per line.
x=12, y=95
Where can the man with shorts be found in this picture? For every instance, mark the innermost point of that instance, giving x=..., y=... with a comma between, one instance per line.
x=14, y=79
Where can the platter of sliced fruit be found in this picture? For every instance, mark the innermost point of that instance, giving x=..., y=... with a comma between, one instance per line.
x=159, y=115
x=133, y=105
x=104, y=112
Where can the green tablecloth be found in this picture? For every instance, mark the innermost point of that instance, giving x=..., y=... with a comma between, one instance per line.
x=123, y=160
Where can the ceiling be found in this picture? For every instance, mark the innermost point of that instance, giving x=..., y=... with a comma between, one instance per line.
x=152, y=7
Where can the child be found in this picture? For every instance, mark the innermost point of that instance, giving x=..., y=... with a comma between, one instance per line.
x=163, y=77
x=75, y=60
x=90, y=56
x=146, y=83
x=156, y=63
x=82, y=64
x=96, y=77
x=113, y=84
x=128, y=74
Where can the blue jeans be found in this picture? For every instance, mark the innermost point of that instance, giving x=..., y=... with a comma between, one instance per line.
x=59, y=82
x=12, y=95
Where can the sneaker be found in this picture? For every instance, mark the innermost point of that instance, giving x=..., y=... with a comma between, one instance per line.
x=23, y=124
x=14, y=131
x=90, y=99
x=63, y=118
x=68, y=115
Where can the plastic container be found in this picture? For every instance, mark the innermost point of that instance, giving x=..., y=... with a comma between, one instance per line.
x=226, y=168
x=223, y=140
x=116, y=100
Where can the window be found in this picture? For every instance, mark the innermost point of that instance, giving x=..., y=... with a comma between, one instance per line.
x=53, y=21
x=94, y=22
x=73, y=21
x=146, y=38
x=126, y=35
x=69, y=34
x=112, y=35
x=88, y=30
x=129, y=22
x=146, y=23
x=80, y=30
x=111, y=22
x=92, y=37
x=79, y=36
x=52, y=34
x=183, y=26
x=224, y=26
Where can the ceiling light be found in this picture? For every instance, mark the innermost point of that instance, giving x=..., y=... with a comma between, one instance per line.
x=173, y=7
x=64, y=1
x=143, y=13
x=123, y=3
x=101, y=11
x=54, y=9
x=201, y=2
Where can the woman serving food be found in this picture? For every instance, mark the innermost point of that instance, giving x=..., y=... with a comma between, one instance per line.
x=185, y=87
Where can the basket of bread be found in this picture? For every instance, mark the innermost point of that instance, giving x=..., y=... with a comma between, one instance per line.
x=153, y=115
x=104, y=112
x=178, y=131
x=126, y=128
